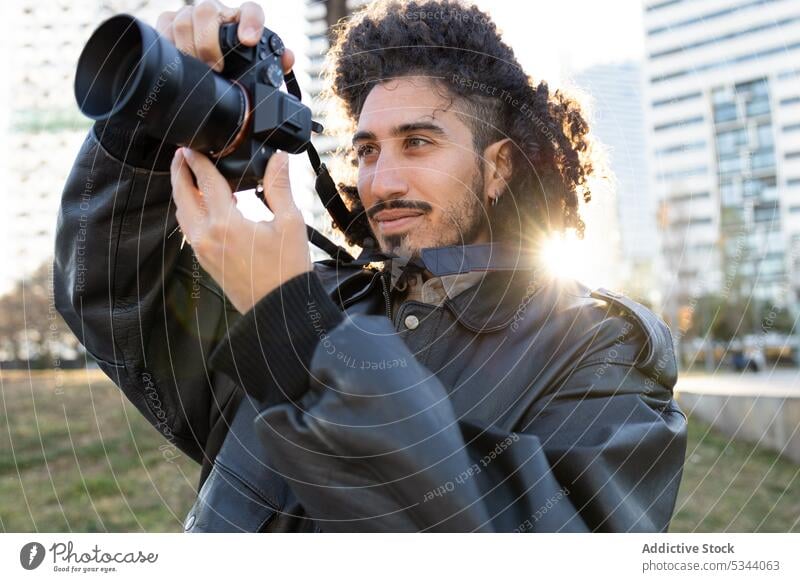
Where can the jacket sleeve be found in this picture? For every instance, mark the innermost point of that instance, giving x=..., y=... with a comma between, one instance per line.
x=368, y=440
x=139, y=303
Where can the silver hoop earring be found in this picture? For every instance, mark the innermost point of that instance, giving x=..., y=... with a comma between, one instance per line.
x=495, y=200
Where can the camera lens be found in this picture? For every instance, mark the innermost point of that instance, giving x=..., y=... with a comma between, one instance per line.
x=128, y=71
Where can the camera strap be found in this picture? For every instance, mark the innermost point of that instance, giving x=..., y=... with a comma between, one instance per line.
x=325, y=188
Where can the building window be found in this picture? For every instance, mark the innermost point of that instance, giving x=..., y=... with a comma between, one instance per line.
x=727, y=62
x=680, y=148
x=679, y=123
x=762, y=159
x=705, y=18
x=765, y=137
x=682, y=49
x=685, y=173
x=766, y=212
x=680, y=198
x=663, y=4
x=677, y=99
x=726, y=112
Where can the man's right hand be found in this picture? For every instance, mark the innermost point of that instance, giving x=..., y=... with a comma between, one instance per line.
x=195, y=30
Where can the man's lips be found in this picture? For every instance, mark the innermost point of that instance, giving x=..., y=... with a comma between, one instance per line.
x=396, y=220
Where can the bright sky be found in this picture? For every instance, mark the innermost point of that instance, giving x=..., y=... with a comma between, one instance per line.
x=556, y=38
x=550, y=38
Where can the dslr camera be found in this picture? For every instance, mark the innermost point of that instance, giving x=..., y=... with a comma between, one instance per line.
x=238, y=118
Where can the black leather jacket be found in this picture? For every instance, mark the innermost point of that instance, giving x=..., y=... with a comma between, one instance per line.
x=522, y=404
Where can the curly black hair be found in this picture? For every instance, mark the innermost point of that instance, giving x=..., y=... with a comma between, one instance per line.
x=460, y=47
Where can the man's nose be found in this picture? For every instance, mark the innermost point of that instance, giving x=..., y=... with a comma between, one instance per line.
x=389, y=177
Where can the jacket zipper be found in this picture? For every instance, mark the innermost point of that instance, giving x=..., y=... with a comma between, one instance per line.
x=386, y=296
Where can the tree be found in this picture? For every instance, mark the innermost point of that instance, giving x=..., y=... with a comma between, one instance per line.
x=31, y=330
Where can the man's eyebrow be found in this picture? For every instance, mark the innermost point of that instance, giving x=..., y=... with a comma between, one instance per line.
x=402, y=130
x=363, y=136
x=418, y=126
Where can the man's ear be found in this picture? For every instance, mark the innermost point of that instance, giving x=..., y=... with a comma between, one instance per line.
x=497, y=168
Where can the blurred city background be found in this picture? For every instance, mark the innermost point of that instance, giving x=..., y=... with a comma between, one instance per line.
x=698, y=103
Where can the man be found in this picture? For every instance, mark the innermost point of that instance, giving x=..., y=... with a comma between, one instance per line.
x=455, y=386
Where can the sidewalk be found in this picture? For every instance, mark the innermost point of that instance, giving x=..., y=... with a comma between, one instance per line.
x=780, y=382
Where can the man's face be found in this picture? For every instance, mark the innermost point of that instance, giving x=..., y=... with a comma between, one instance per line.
x=419, y=178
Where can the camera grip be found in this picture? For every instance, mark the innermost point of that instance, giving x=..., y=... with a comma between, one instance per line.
x=262, y=60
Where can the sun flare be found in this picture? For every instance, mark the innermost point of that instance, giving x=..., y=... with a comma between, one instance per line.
x=568, y=257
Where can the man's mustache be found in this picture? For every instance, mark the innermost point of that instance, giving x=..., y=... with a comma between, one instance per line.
x=393, y=204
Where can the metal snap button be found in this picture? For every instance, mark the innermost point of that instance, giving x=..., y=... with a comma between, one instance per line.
x=189, y=522
x=412, y=322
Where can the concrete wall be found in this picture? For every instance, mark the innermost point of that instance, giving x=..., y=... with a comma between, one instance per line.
x=772, y=421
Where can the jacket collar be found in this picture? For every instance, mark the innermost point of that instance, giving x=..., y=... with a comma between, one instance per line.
x=499, y=299
x=513, y=276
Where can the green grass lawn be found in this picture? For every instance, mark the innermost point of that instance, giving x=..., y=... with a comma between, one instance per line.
x=79, y=457
x=734, y=486
x=76, y=456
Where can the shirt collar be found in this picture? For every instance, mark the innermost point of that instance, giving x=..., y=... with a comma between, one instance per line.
x=449, y=260
x=435, y=290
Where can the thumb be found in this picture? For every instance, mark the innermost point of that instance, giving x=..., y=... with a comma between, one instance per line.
x=210, y=181
x=277, y=189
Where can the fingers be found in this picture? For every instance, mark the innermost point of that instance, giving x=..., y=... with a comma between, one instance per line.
x=164, y=25
x=251, y=23
x=277, y=188
x=287, y=60
x=194, y=30
x=190, y=211
x=211, y=183
x=206, y=19
x=183, y=31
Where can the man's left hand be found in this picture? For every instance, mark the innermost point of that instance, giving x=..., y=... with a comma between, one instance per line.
x=248, y=259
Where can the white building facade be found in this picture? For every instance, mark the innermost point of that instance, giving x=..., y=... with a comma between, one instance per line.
x=42, y=129
x=722, y=100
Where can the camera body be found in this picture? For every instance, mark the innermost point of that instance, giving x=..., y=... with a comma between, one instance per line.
x=128, y=72
x=275, y=119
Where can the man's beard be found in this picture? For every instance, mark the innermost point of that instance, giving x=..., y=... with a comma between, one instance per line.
x=467, y=216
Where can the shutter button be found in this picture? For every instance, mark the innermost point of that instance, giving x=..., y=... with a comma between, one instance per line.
x=412, y=322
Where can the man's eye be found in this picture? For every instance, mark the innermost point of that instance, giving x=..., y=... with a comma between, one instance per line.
x=365, y=150
x=417, y=141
